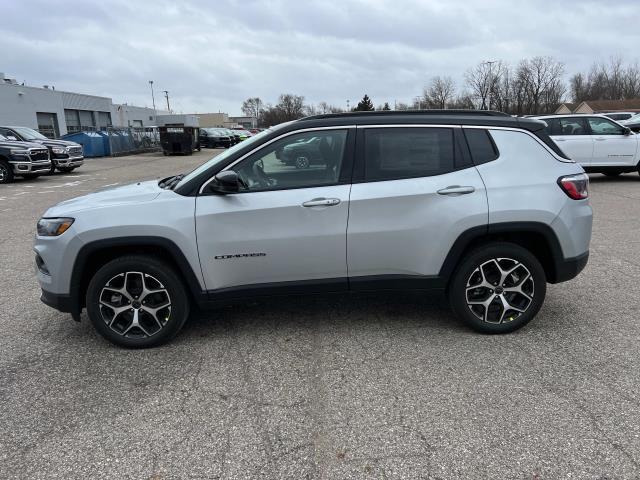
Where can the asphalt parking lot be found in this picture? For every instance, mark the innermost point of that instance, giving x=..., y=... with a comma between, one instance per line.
x=372, y=386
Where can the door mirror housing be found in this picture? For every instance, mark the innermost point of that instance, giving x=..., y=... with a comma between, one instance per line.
x=627, y=131
x=225, y=182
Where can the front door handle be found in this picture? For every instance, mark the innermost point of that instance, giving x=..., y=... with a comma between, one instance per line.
x=560, y=139
x=321, y=202
x=456, y=190
x=600, y=139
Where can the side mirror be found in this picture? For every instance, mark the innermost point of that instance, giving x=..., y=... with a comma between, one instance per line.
x=627, y=131
x=225, y=182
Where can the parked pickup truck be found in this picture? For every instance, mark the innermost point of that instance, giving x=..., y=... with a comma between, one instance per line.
x=23, y=159
x=596, y=142
x=65, y=155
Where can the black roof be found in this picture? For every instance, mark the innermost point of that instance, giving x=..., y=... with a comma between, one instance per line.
x=427, y=117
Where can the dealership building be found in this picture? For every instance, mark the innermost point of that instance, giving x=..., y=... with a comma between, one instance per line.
x=55, y=113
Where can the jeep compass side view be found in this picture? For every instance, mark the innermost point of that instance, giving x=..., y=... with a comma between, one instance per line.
x=480, y=205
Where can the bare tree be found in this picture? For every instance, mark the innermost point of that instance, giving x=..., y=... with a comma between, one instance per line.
x=289, y=107
x=540, y=84
x=251, y=107
x=440, y=92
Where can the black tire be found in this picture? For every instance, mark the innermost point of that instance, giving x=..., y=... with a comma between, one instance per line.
x=6, y=172
x=154, y=270
x=612, y=174
x=66, y=169
x=470, y=265
x=52, y=169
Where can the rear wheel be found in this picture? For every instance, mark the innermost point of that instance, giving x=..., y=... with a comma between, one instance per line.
x=6, y=173
x=498, y=288
x=137, y=301
x=612, y=174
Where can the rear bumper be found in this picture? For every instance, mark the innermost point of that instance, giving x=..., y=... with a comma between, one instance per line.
x=570, y=268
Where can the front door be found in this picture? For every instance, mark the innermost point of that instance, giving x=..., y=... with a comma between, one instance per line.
x=611, y=146
x=287, y=224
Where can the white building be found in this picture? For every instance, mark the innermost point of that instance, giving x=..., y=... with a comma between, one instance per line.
x=55, y=113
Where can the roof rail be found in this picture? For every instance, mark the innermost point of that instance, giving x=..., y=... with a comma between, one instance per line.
x=438, y=112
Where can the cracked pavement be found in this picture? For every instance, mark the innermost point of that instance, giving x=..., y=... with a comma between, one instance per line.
x=368, y=386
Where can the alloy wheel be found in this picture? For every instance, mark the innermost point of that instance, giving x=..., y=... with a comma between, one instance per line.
x=302, y=162
x=3, y=173
x=500, y=290
x=135, y=305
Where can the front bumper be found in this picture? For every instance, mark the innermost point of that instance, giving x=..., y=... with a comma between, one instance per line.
x=69, y=162
x=25, y=166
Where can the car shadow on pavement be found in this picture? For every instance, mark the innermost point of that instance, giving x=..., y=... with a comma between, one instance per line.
x=623, y=178
x=361, y=311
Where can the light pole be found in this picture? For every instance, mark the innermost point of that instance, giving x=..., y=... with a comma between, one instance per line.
x=166, y=95
x=490, y=63
x=153, y=101
x=348, y=110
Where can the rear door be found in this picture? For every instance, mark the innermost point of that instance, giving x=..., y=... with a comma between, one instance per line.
x=573, y=137
x=414, y=192
x=612, y=147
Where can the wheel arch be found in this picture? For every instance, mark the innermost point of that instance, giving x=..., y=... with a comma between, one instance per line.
x=538, y=238
x=95, y=254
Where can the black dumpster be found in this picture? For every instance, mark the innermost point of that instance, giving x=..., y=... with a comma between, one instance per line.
x=179, y=139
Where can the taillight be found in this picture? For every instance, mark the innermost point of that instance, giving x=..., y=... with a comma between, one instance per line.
x=575, y=186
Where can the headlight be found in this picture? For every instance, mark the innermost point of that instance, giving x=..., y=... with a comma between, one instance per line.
x=19, y=151
x=52, y=227
x=59, y=150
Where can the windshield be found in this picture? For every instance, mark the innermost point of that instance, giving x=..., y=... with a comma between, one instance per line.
x=219, y=158
x=635, y=118
x=29, y=133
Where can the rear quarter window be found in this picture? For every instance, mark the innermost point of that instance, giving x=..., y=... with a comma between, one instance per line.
x=481, y=145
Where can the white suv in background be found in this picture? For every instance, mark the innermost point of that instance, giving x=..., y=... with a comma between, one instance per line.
x=596, y=142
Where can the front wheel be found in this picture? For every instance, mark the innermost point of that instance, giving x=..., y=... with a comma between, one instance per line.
x=6, y=173
x=66, y=169
x=302, y=162
x=498, y=288
x=137, y=301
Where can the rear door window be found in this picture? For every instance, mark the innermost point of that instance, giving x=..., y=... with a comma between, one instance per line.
x=395, y=153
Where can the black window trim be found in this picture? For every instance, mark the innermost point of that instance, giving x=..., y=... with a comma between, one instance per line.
x=346, y=168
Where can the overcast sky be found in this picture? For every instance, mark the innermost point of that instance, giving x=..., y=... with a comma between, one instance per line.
x=211, y=55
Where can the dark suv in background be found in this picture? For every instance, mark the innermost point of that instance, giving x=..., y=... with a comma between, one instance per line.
x=22, y=159
x=214, y=138
x=65, y=155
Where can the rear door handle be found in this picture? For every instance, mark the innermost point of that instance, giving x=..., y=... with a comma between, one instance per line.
x=321, y=202
x=456, y=190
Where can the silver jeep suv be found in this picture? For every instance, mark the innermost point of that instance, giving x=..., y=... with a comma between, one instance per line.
x=480, y=205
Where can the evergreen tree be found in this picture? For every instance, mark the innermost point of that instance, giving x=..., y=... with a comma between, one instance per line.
x=365, y=105
x=386, y=106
